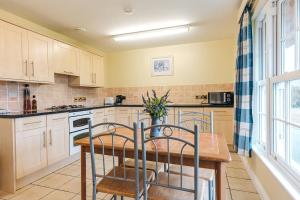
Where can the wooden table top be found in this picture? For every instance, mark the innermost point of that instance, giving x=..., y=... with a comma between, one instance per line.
x=212, y=147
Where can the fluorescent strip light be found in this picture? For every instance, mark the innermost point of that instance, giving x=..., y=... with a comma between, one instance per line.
x=152, y=33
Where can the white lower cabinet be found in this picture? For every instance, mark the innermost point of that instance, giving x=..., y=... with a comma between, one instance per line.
x=31, y=151
x=40, y=141
x=57, y=137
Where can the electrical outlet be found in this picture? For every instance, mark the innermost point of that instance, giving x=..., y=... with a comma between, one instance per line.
x=76, y=99
x=203, y=96
x=198, y=97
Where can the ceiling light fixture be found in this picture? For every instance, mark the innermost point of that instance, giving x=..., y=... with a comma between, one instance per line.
x=152, y=33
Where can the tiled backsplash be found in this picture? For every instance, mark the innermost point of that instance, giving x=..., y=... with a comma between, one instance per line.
x=178, y=94
x=11, y=93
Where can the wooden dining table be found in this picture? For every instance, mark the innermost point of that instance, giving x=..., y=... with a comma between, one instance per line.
x=213, y=154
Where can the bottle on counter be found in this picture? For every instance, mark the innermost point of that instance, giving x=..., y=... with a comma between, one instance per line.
x=27, y=102
x=34, y=104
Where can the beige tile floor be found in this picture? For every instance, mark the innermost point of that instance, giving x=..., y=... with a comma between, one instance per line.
x=64, y=184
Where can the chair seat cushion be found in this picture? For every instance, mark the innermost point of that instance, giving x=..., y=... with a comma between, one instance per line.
x=150, y=165
x=123, y=187
x=207, y=174
x=163, y=193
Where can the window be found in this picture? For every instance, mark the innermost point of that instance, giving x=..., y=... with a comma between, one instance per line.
x=277, y=88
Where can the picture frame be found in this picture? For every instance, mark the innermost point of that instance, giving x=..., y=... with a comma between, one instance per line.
x=162, y=66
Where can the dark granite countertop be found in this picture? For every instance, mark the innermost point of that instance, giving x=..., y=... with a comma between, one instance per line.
x=12, y=115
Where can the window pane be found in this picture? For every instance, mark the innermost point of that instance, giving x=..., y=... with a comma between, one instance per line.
x=262, y=96
x=289, y=35
x=263, y=128
x=295, y=150
x=279, y=136
x=279, y=100
x=295, y=102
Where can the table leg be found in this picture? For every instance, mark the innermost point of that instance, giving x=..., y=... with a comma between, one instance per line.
x=83, y=174
x=220, y=181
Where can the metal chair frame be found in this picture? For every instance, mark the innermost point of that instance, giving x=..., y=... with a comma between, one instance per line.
x=111, y=131
x=196, y=118
x=169, y=137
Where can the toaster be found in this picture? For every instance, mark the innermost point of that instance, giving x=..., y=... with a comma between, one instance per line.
x=109, y=101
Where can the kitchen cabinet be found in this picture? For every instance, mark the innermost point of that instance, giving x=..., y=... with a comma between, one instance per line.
x=98, y=71
x=123, y=116
x=40, y=49
x=91, y=71
x=65, y=58
x=98, y=117
x=31, y=146
x=12, y=55
x=24, y=55
x=57, y=137
x=223, y=122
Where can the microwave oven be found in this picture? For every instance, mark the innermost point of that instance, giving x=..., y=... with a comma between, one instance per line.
x=220, y=98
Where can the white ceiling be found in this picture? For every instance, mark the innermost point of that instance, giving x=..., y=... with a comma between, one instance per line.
x=210, y=19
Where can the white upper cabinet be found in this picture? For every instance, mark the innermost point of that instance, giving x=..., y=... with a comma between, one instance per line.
x=91, y=70
x=65, y=59
x=24, y=55
x=98, y=71
x=13, y=60
x=40, y=51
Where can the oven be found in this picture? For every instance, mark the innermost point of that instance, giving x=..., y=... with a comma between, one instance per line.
x=79, y=128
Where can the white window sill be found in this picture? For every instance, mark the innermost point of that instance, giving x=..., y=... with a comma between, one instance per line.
x=289, y=185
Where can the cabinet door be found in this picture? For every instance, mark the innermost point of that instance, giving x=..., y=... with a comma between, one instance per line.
x=223, y=122
x=98, y=71
x=39, y=56
x=13, y=53
x=31, y=151
x=57, y=137
x=98, y=117
x=86, y=68
x=65, y=59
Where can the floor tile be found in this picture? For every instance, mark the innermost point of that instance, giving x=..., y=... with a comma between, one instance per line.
x=70, y=170
x=235, y=157
x=239, y=195
x=4, y=195
x=59, y=195
x=33, y=193
x=237, y=173
x=241, y=184
x=55, y=181
x=235, y=164
x=228, y=194
x=73, y=185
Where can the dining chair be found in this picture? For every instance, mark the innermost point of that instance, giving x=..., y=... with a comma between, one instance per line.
x=204, y=120
x=146, y=119
x=167, y=186
x=120, y=180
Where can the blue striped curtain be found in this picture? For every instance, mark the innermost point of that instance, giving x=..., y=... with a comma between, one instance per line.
x=244, y=86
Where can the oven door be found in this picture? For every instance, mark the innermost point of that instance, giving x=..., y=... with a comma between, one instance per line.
x=77, y=136
x=79, y=123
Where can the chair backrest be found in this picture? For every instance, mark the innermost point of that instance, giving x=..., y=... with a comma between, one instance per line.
x=205, y=121
x=117, y=138
x=160, y=146
x=144, y=117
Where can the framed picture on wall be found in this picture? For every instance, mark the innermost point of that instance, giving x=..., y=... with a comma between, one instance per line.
x=162, y=66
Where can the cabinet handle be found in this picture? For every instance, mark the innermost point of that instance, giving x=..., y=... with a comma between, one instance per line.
x=32, y=63
x=50, y=136
x=68, y=72
x=59, y=118
x=29, y=123
x=44, y=139
x=26, y=67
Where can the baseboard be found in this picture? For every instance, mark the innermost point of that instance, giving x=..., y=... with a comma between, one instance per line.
x=260, y=189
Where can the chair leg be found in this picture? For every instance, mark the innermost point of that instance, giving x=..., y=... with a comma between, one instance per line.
x=122, y=198
x=115, y=197
x=94, y=192
x=210, y=190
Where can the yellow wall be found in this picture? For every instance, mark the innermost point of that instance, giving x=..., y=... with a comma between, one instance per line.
x=14, y=19
x=195, y=63
x=270, y=183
